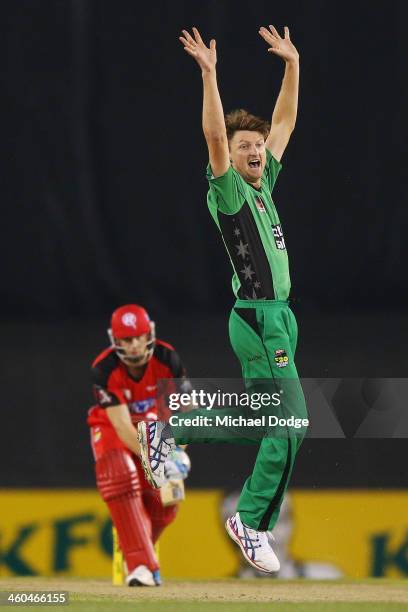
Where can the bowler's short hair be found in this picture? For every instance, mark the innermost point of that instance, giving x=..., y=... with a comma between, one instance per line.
x=240, y=119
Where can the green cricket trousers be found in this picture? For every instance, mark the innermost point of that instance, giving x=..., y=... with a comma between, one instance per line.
x=263, y=334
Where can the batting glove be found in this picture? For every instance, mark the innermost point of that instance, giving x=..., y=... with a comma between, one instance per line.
x=177, y=465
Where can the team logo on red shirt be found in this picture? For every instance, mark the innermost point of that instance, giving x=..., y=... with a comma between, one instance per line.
x=104, y=397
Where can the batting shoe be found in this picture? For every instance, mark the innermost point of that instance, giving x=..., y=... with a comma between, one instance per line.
x=254, y=545
x=156, y=443
x=141, y=576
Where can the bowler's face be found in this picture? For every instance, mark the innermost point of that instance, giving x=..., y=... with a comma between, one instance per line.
x=248, y=155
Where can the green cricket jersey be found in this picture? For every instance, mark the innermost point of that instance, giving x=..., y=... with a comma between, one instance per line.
x=252, y=233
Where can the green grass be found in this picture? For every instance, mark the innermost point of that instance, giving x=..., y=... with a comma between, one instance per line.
x=134, y=599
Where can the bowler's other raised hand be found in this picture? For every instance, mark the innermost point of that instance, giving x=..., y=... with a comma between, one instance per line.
x=283, y=47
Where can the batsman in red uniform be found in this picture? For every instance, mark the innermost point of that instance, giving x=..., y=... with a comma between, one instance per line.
x=125, y=379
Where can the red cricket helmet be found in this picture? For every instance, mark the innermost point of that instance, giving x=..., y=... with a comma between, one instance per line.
x=129, y=321
x=132, y=321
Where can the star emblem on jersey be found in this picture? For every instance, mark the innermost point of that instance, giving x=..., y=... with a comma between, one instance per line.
x=242, y=249
x=254, y=296
x=129, y=319
x=248, y=272
x=248, y=247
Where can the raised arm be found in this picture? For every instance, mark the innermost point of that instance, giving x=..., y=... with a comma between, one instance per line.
x=285, y=111
x=213, y=114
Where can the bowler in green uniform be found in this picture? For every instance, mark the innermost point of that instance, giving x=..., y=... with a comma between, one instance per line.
x=244, y=161
x=245, y=154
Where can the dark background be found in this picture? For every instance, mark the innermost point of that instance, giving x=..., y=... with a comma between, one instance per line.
x=103, y=203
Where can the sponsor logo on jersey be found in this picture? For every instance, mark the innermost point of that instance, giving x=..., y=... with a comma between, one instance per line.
x=255, y=358
x=141, y=406
x=127, y=393
x=151, y=387
x=260, y=205
x=279, y=239
x=281, y=358
x=129, y=319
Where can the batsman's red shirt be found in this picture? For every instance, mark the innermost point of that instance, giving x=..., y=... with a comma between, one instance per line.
x=114, y=385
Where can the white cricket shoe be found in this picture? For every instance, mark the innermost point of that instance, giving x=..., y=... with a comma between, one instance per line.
x=156, y=443
x=254, y=545
x=141, y=576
